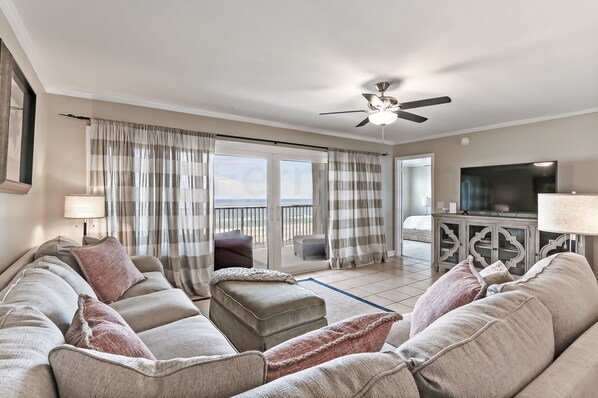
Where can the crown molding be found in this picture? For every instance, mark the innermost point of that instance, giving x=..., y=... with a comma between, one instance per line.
x=18, y=27
x=203, y=112
x=502, y=125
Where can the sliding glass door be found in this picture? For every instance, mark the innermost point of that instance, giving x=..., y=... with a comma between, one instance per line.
x=276, y=196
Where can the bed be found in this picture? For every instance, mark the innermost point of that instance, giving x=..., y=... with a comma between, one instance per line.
x=418, y=228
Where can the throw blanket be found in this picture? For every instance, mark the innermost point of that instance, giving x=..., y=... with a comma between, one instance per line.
x=250, y=274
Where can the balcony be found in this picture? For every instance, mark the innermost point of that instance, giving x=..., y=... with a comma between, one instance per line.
x=253, y=221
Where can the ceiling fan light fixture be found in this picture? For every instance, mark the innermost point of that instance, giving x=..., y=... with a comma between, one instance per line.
x=383, y=117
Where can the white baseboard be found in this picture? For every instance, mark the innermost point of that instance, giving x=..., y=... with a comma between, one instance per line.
x=391, y=253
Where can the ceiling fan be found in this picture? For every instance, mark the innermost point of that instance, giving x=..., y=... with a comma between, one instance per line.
x=385, y=110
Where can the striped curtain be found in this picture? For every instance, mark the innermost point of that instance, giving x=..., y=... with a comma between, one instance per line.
x=158, y=191
x=356, y=228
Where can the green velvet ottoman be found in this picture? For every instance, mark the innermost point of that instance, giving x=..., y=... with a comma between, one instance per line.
x=260, y=315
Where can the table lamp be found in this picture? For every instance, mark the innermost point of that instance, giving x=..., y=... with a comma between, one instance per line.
x=84, y=207
x=568, y=213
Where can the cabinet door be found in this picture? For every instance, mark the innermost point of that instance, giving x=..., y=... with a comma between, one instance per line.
x=511, y=248
x=480, y=238
x=449, y=243
x=550, y=243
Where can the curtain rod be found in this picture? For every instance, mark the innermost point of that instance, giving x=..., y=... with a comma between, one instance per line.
x=275, y=142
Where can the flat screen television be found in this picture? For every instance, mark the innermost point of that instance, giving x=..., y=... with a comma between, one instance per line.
x=510, y=188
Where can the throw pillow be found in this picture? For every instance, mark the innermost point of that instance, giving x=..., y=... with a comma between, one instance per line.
x=461, y=285
x=362, y=333
x=98, y=327
x=496, y=273
x=108, y=268
x=60, y=247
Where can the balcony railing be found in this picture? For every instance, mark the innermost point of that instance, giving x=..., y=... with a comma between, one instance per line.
x=253, y=221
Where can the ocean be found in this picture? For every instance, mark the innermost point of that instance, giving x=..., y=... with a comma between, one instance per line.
x=258, y=202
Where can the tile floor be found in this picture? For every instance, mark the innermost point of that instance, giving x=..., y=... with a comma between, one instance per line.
x=395, y=285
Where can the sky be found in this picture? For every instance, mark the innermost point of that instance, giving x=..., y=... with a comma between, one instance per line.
x=246, y=178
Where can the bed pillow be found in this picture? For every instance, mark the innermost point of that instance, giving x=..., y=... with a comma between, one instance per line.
x=98, y=327
x=362, y=333
x=108, y=268
x=461, y=285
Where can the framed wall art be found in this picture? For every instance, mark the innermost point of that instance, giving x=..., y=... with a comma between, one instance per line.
x=17, y=126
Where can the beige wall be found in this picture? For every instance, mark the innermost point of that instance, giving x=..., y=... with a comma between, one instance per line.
x=572, y=141
x=22, y=216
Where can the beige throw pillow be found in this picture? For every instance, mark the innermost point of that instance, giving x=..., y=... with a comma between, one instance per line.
x=496, y=273
x=108, y=268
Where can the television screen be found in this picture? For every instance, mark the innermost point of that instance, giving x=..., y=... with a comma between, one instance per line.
x=511, y=188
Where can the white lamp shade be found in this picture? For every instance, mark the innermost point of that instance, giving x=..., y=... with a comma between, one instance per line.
x=426, y=201
x=382, y=117
x=84, y=206
x=568, y=213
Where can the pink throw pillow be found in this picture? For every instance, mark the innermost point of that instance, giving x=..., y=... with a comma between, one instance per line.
x=362, y=333
x=108, y=268
x=97, y=326
x=459, y=286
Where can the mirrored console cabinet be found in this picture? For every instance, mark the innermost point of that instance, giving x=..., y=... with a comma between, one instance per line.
x=517, y=242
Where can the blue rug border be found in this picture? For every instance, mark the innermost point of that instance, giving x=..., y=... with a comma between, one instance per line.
x=336, y=289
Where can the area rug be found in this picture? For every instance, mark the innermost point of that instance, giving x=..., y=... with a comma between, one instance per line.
x=340, y=304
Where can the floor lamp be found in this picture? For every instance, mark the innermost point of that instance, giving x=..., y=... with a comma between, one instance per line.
x=84, y=207
x=571, y=213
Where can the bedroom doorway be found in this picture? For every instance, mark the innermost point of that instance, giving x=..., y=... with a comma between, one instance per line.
x=414, y=206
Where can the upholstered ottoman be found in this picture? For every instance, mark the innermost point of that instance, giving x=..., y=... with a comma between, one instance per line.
x=309, y=245
x=260, y=315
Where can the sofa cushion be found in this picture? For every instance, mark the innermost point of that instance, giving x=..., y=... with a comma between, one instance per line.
x=573, y=374
x=566, y=285
x=60, y=247
x=86, y=373
x=492, y=347
x=154, y=282
x=70, y=276
x=189, y=337
x=26, y=338
x=360, y=375
x=362, y=333
x=155, y=309
x=399, y=332
x=460, y=286
x=47, y=292
x=269, y=307
x=145, y=263
x=98, y=327
x=108, y=268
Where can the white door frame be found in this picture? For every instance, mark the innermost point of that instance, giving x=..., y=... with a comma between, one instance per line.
x=398, y=199
x=274, y=155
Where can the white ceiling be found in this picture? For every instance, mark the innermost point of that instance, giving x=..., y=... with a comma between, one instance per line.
x=282, y=62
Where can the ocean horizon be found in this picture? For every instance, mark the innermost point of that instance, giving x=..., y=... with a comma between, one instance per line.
x=258, y=202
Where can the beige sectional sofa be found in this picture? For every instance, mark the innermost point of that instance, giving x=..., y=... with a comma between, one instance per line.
x=502, y=345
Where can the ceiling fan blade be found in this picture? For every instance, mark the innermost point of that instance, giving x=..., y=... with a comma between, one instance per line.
x=364, y=122
x=374, y=100
x=425, y=102
x=336, y=113
x=411, y=116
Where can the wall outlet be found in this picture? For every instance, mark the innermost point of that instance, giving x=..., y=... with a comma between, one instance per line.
x=439, y=205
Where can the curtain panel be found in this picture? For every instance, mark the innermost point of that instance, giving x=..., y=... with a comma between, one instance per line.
x=356, y=226
x=158, y=190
